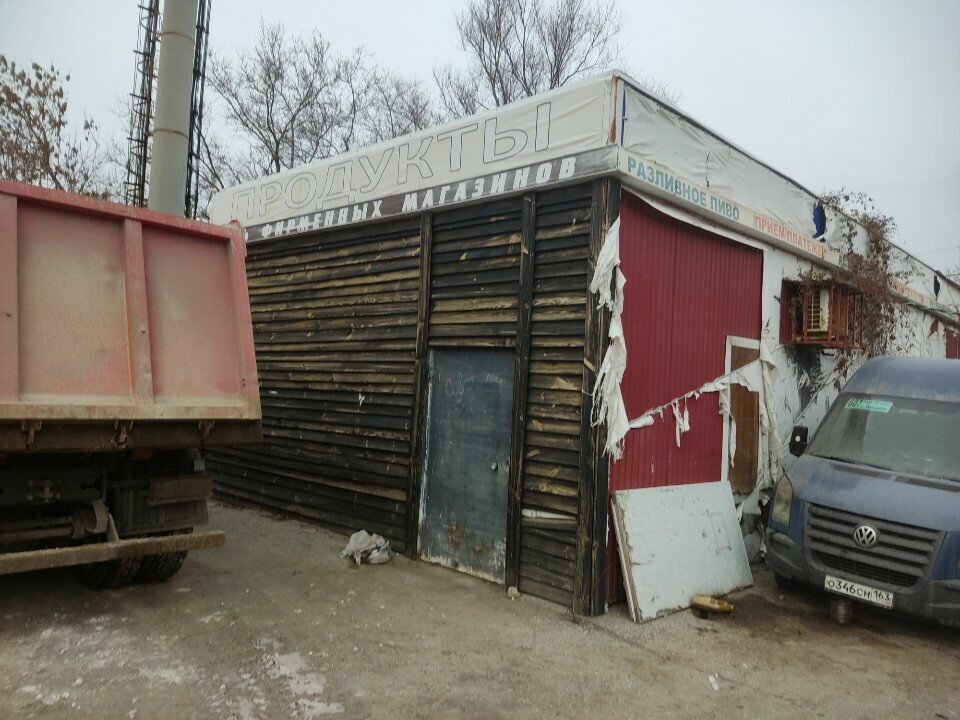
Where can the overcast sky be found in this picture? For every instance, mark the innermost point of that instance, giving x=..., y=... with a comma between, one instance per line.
x=857, y=93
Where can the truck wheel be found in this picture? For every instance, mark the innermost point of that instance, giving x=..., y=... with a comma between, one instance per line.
x=112, y=574
x=156, y=568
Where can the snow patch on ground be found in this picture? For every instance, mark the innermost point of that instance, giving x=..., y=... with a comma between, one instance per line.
x=45, y=697
x=301, y=682
x=166, y=675
x=91, y=653
x=285, y=678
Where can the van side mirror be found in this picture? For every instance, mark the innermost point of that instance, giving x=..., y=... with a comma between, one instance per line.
x=798, y=439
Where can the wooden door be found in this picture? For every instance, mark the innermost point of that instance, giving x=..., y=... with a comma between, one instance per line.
x=745, y=409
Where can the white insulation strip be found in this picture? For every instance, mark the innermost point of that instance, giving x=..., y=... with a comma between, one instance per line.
x=608, y=283
x=608, y=406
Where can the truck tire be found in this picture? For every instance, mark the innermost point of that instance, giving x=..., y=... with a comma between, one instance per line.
x=112, y=574
x=156, y=568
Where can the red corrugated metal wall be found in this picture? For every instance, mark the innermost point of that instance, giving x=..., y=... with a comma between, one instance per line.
x=687, y=289
x=953, y=345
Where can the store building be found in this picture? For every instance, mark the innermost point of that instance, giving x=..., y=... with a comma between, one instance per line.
x=429, y=345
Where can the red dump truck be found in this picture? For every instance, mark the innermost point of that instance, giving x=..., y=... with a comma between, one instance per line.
x=126, y=348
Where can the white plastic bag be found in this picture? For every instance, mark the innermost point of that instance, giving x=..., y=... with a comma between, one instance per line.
x=366, y=548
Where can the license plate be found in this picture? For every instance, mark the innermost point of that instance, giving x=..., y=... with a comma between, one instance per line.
x=860, y=592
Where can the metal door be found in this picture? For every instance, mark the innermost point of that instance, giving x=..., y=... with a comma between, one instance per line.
x=463, y=521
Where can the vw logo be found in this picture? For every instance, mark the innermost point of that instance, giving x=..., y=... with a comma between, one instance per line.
x=865, y=536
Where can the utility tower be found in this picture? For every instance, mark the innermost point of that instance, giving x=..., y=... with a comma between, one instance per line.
x=141, y=105
x=166, y=113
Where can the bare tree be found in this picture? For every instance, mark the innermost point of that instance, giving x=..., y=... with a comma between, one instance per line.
x=36, y=144
x=291, y=99
x=953, y=273
x=518, y=48
x=395, y=105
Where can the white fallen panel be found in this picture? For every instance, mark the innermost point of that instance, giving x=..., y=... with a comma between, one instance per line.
x=677, y=542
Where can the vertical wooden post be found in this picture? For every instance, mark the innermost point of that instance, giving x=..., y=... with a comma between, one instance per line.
x=9, y=311
x=420, y=390
x=601, y=461
x=589, y=592
x=521, y=376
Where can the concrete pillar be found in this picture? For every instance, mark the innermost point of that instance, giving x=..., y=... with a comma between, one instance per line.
x=168, y=161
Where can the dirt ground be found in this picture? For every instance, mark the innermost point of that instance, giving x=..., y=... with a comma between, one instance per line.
x=275, y=625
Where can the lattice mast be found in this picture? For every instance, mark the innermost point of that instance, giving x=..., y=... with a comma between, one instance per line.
x=195, y=142
x=141, y=104
x=143, y=108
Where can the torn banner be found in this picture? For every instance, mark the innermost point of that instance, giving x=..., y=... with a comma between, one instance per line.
x=608, y=283
x=757, y=376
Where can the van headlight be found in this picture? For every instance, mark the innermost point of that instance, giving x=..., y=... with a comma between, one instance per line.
x=782, y=501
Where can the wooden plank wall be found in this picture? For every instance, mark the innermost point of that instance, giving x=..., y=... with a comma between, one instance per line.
x=335, y=322
x=352, y=314
x=551, y=476
x=475, y=275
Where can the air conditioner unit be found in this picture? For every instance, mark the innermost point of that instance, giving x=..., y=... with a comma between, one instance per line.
x=817, y=312
x=826, y=315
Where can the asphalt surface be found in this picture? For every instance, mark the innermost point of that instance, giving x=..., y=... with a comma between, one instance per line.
x=275, y=625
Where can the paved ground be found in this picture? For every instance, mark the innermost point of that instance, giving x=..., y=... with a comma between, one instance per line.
x=275, y=625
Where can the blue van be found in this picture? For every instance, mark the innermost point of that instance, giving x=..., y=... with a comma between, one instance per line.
x=870, y=510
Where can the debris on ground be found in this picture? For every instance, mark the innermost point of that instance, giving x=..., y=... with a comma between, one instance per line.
x=366, y=548
x=703, y=605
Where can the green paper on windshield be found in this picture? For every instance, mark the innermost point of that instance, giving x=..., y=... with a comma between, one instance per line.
x=869, y=405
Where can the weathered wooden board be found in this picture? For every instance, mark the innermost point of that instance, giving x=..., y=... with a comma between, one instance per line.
x=475, y=275
x=551, y=465
x=335, y=321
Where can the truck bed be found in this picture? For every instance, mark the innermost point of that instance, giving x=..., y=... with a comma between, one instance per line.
x=120, y=327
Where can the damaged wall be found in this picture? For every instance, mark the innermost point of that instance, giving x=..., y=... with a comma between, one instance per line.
x=351, y=326
x=686, y=289
x=807, y=376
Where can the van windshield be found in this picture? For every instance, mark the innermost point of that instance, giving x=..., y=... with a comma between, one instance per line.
x=920, y=437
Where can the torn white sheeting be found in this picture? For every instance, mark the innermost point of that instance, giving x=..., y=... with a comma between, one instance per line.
x=608, y=260
x=749, y=376
x=682, y=419
x=724, y=396
x=608, y=283
x=677, y=542
x=770, y=437
x=757, y=376
x=608, y=407
x=770, y=452
x=543, y=514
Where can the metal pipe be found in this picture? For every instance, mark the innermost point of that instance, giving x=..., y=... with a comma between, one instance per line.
x=168, y=163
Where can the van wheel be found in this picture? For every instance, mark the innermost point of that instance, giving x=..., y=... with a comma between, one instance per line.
x=111, y=574
x=156, y=568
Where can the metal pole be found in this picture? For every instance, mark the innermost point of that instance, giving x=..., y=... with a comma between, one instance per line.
x=168, y=164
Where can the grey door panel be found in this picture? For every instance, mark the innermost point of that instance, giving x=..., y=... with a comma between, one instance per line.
x=470, y=406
